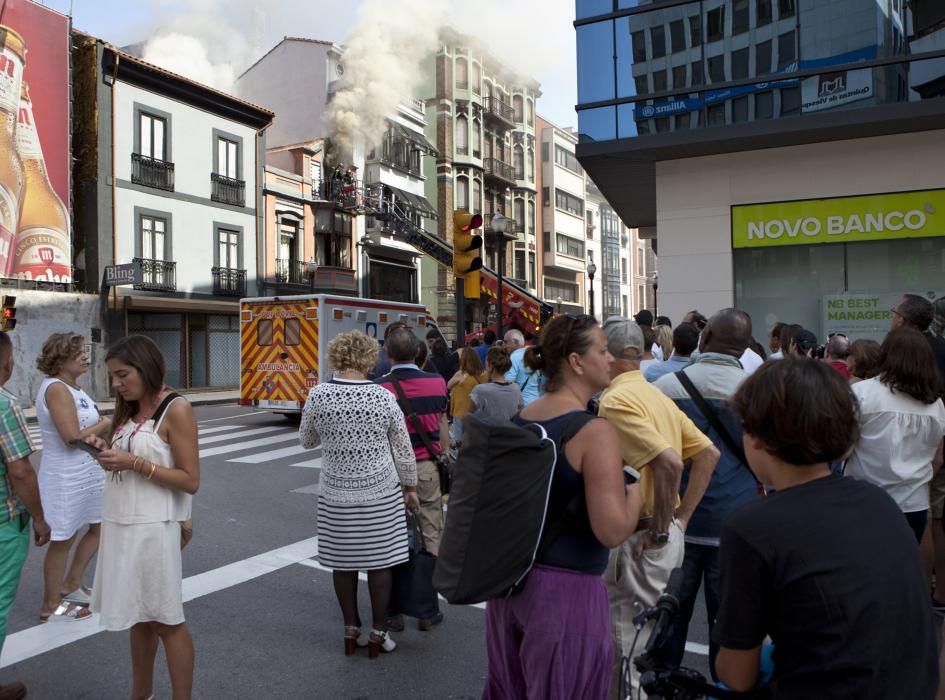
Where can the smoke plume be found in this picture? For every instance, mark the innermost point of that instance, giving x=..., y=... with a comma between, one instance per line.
x=188, y=56
x=382, y=69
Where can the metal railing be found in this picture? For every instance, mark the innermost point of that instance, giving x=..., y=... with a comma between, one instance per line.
x=494, y=107
x=157, y=275
x=152, y=172
x=498, y=169
x=229, y=281
x=346, y=193
x=291, y=272
x=227, y=190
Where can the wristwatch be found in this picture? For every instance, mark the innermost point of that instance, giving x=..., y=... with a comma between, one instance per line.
x=659, y=537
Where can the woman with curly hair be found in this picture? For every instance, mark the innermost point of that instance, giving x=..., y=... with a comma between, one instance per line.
x=369, y=473
x=70, y=480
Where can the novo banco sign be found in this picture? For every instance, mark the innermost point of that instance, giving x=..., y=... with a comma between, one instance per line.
x=919, y=214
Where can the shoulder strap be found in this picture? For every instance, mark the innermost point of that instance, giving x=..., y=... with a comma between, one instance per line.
x=159, y=413
x=571, y=511
x=712, y=416
x=407, y=408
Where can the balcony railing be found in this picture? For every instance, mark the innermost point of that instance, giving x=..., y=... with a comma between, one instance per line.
x=291, y=272
x=326, y=279
x=496, y=168
x=345, y=192
x=157, y=275
x=497, y=109
x=227, y=190
x=228, y=281
x=152, y=172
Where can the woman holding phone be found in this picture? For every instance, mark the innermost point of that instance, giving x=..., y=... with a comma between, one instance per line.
x=154, y=470
x=70, y=481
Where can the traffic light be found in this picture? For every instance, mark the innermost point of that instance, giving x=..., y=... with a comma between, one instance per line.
x=467, y=250
x=8, y=320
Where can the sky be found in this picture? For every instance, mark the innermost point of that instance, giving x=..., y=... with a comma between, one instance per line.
x=535, y=36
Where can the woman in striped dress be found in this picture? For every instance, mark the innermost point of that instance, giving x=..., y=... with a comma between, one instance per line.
x=368, y=475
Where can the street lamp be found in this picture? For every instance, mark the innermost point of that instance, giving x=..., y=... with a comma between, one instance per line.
x=591, y=271
x=498, y=234
x=559, y=301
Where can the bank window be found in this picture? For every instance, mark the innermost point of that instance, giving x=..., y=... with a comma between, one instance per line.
x=658, y=41
x=739, y=16
x=740, y=64
x=641, y=84
x=740, y=109
x=715, y=24
x=264, y=331
x=569, y=203
x=786, y=8
x=697, y=76
x=764, y=105
x=786, y=50
x=790, y=101
x=679, y=77
x=715, y=115
x=659, y=80
x=638, y=39
x=763, y=58
x=695, y=30
x=566, y=245
x=717, y=69
x=762, y=12
x=677, y=35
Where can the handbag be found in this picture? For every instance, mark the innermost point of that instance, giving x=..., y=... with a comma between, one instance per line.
x=442, y=460
x=412, y=591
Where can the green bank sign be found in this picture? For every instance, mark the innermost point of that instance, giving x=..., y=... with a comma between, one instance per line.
x=840, y=220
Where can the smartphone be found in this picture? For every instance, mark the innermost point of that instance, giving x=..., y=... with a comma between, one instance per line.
x=84, y=446
x=630, y=475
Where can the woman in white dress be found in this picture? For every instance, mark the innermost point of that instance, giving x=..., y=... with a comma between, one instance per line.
x=154, y=470
x=368, y=475
x=70, y=480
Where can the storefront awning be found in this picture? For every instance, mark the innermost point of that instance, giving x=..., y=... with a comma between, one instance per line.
x=415, y=137
x=416, y=202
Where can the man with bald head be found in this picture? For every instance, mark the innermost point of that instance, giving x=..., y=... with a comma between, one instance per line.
x=716, y=374
x=836, y=352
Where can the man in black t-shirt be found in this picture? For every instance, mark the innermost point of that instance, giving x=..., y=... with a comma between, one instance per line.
x=826, y=566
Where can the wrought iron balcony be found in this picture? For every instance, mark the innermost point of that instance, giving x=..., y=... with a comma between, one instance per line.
x=227, y=190
x=493, y=167
x=327, y=279
x=228, y=281
x=291, y=272
x=152, y=172
x=346, y=193
x=498, y=110
x=157, y=275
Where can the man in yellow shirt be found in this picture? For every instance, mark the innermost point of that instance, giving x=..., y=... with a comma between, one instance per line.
x=656, y=438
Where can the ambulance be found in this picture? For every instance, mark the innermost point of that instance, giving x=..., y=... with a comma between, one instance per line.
x=284, y=342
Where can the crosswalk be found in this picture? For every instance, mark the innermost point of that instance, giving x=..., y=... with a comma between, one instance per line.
x=244, y=444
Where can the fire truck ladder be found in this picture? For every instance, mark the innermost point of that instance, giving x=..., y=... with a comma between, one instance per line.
x=398, y=221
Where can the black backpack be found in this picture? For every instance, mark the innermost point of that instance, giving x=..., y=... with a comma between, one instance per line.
x=497, y=525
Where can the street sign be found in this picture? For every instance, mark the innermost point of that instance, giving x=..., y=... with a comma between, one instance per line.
x=126, y=273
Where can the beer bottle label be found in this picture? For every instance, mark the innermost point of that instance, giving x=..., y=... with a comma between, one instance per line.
x=27, y=138
x=9, y=214
x=11, y=80
x=41, y=254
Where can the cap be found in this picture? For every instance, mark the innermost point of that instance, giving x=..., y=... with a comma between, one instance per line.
x=622, y=334
x=644, y=317
x=805, y=340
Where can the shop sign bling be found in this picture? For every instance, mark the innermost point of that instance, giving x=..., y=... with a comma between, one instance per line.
x=893, y=216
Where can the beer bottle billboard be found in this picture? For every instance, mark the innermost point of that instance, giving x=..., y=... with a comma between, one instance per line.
x=12, y=58
x=42, y=241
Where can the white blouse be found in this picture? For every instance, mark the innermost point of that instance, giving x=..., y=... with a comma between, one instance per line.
x=367, y=450
x=898, y=439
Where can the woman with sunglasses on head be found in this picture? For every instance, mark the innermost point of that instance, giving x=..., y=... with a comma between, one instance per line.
x=70, y=480
x=552, y=640
x=153, y=471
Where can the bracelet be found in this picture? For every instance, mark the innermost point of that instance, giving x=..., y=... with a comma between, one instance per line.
x=151, y=473
x=134, y=465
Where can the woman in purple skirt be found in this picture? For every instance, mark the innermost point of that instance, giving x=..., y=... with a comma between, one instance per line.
x=552, y=640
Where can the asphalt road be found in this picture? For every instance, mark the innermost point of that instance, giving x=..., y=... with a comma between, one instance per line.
x=264, y=618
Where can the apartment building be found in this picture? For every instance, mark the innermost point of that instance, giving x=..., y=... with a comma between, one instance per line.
x=168, y=179
x=297, y=78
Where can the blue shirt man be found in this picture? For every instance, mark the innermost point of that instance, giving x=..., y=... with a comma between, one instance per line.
x=531, y=383
x=685, y=342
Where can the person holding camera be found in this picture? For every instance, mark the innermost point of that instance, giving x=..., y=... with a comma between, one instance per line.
x=422, y=398
x=825, y=566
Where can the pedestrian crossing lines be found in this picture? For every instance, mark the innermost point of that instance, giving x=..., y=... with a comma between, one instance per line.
x=258, y=444
x=36, y=436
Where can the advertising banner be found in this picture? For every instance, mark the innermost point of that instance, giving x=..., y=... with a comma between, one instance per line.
x=899, y=215
x=829, y=90
x=35, y=232
x=861, y=315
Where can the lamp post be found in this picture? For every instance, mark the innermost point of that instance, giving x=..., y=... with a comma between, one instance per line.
x=498, y=235
x=656, y=307
x=559, y=301
x=591, y=271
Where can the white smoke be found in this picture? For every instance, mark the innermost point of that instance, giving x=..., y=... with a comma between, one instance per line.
x=187, y=55
x=383, y=57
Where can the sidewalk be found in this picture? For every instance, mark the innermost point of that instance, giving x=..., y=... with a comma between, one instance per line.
x=207, y=397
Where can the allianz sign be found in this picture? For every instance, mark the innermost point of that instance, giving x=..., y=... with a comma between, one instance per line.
x=913, y=220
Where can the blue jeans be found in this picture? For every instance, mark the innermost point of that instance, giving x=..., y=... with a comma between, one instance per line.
x=14, y=546
x=700, y=567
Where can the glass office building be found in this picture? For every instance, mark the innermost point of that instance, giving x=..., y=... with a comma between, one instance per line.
x=691, y=114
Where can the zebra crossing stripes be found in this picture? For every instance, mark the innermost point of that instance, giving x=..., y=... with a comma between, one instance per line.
x=255, y=444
